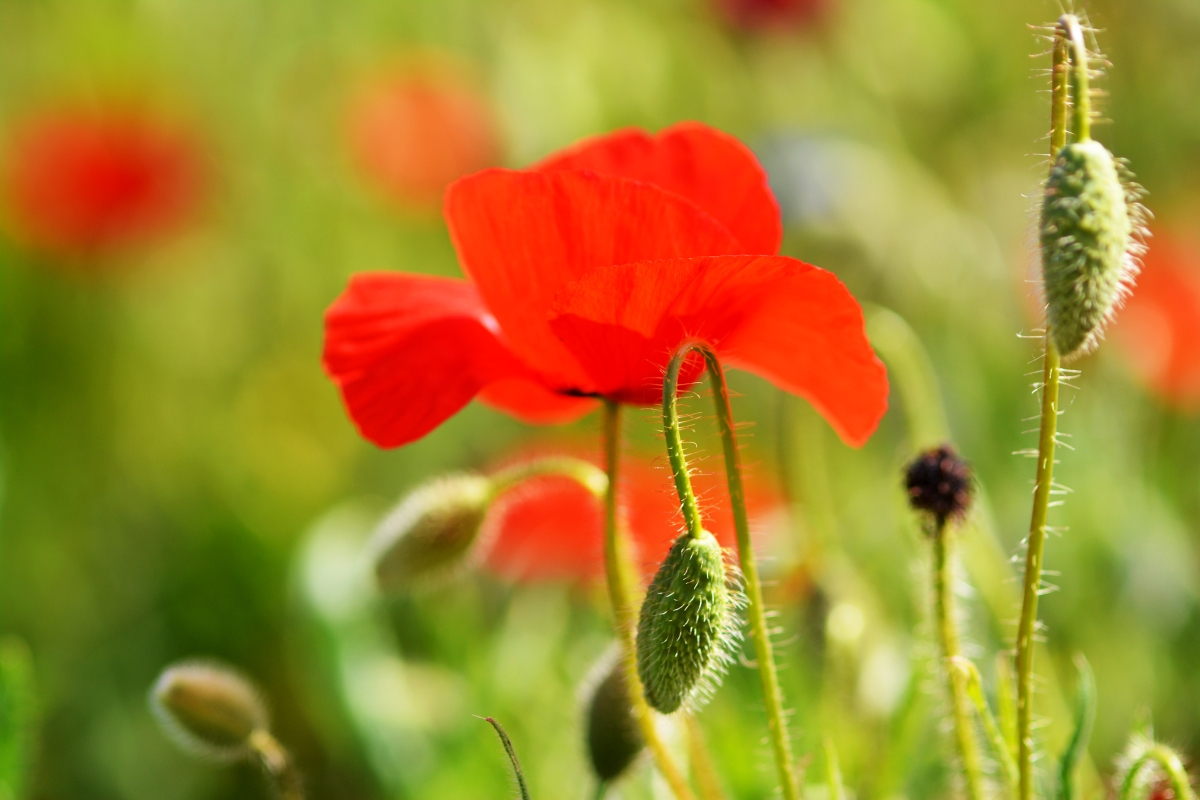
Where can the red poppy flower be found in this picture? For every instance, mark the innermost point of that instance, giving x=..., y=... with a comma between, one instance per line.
x=759, y=15
x=587, y=272
x=551, y=528
x=80, y=181
x=1159, y=328
x=416, y=130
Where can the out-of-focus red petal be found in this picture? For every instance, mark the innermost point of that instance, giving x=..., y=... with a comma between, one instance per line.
x=409, y=351
x=521, y=236
x=552, y=529
x=707, y=166
x=792, y=323
x=1159, y=327
x=530, y=401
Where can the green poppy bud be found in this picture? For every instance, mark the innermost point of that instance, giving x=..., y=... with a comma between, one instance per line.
x=685, y=624
x=613, y=737
x=1086, y=232
x=208, y=709
x=432, y=531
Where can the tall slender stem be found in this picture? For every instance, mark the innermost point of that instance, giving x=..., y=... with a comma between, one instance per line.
x=620, y=592
x=1069, y=50
x=776, y=722
x=947, y=625
x=278, y=765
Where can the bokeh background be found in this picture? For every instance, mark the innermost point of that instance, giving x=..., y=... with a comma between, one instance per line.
x=187, y=184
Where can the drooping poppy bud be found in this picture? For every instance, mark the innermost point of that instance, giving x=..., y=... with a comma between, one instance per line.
x=1086, y=231
x=613, y=737
x=685, y=624
x=939, y=482
x=209, y=709
x=432, y=531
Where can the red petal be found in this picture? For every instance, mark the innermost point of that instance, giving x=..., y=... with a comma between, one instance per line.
x=530, y=401
x=409, y=351
x=711, y=168
x=792, y=323
x=521, y=236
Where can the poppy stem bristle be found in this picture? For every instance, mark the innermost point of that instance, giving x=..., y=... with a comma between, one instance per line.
x=620, y=579
x=947, y=626
x=1069, y=50
x=776, y=719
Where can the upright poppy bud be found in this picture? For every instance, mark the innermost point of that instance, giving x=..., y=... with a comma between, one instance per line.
x=1086, y=236
x=939, y=483
x=686, y=623
x=209, y=709
x=433, y=530
x=614, y=740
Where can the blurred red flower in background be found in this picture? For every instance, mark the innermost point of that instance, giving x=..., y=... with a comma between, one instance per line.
x=587, y=272
x=416, y=129
x=551, y=528
x=78, y=181
x=761, y=15
x=1159, y=327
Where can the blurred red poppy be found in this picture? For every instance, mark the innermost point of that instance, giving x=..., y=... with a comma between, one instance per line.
x=417, y=129
x=760, y=15
x=80, y=181
x=587, y=272
x=1159, y=327
x=551, y=528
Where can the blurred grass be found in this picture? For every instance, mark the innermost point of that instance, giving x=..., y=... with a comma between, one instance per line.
x=168, y=437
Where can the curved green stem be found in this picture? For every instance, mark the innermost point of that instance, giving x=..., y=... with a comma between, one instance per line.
x=586, y=475
x=620, y=591
x=780, y=743
x=278, y=765
x=511, y=752
x=1004, y=756
x=1167, y=760
x=943, y=584
x=1068, y=49
x=1034, y=548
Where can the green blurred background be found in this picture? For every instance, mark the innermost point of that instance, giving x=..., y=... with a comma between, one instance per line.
x=179, y=477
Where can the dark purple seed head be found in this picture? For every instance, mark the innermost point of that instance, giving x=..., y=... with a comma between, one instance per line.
x=939, y=482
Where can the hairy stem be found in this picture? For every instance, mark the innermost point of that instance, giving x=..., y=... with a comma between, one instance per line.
x=511, y=752
x=1068, y=47
x=620, y=592
x=586, y=475
x=947, y=626
x=1004, y=754
x=278, y=765
x=772, y=696
x=1168, y=761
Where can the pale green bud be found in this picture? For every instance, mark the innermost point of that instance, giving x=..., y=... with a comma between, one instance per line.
x=433, y=530
x=685, y=624
x=208, y=709
x=1086, y=238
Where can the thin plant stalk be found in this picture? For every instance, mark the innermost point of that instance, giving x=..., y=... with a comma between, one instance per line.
x=1168, y=761
x=621, y=593
x=1069, y=73
x=772, y=696
x=947, y=628
x=278, y=765
x=1000, y=746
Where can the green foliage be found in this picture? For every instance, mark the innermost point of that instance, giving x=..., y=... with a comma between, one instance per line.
x=1085, y=234
x=684, y=627
x=18, y=719
x=1085, y=718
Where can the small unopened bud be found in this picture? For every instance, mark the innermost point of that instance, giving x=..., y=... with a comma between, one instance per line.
x=209, y=709
x=613, y=737
x=939, y=482
x=434, y=530
x=685, y=624
x=1086, y=238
